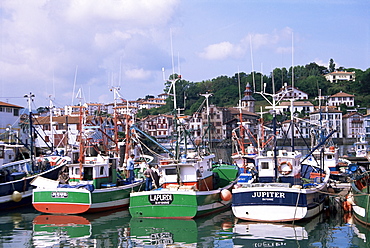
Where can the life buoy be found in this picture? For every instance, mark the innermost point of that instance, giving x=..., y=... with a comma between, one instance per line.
x=282, y=167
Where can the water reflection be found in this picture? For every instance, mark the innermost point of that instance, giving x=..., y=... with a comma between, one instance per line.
x=28, y=228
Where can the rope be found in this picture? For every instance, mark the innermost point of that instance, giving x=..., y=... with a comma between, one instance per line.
x=296, y=204
x=153, y=152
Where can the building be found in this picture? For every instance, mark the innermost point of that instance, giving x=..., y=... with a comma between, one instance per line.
x=301, y=129
x=341, y=98
x=248, y=102
x=62, y=131
x=353, y=125
x=9, y=117
x=96, y=108
x=337, y=76
x=330, y=118
x=289, y=92
x=367, y=125
x=195, y=124
x=298, y=107
x=158, y=126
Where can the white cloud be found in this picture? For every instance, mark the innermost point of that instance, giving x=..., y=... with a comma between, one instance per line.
x=227, y=49
x=43, y=41
x=137, y=73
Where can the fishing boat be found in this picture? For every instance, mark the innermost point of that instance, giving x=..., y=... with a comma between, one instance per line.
x=16, y=175
x=360, y=186
x=361, y=147
x=91, y=184
x=284, y=189
x=192, y=185
x=16, y=178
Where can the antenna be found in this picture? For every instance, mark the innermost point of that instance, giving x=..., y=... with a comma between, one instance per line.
x=173, y=64
x=178, y=63
x=74, y=85
x=250, y=43
x=120, y=71
x=163, y=74
x=292, y=61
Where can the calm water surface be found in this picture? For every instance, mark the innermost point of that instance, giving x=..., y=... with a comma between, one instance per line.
x=28, y=228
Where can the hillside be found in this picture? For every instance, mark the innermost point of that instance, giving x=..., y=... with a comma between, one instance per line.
x=227, y=90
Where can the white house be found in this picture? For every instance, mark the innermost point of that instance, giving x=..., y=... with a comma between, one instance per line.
x=298, y=106
x=289, y=92
x=337, y=76
x=9, y=116
x=341, y=98
x=353, y=125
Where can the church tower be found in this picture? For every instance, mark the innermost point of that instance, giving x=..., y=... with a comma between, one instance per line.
x=248, y=102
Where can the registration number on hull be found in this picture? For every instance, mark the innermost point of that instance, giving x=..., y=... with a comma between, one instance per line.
x=59, y=194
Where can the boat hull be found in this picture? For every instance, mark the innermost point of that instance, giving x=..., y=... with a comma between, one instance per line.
x=79, y=200
x=24, y=187
x=276, y=204
x=361, y=199
x=181, y=204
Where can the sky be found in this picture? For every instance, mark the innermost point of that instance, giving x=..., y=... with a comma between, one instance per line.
x=55, y=49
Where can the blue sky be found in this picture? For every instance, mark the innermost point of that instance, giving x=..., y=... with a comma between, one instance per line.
x=126, y=43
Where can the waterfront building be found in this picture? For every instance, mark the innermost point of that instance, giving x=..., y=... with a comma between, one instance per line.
x=157, y=126
x=328, y=117
x=353, y=125
x=9, y=116
x=367, y=125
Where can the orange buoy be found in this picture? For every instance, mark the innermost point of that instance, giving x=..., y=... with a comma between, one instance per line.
x=226, y=195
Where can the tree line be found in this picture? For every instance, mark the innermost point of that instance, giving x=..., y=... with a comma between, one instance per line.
x=226, y=91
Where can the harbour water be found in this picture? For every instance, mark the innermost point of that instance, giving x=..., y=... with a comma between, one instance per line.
x=26, y=227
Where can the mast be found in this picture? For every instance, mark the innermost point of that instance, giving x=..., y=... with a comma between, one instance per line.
x=30, y=97
x=51, y=124
x=207, y=95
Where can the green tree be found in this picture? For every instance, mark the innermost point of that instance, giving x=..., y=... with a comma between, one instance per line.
x=331, y=65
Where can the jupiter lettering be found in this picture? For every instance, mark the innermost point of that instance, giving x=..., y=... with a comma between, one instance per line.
x=266, y=194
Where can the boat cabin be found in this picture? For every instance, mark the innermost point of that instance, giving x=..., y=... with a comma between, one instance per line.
x=287, y=165
x=191, y=171
x=97, y=171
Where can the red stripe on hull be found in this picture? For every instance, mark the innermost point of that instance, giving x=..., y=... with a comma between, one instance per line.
x=60, y=208
x=60, y=220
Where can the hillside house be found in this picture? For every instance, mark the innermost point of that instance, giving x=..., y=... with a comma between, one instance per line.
x=337, y=76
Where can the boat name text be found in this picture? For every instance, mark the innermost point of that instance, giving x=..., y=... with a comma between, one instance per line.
x=160, y=199
x=267, y=194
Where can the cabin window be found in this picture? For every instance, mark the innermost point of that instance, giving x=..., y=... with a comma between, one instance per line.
x=264, y=165
x=88, y=173
x=102, y=170
x=330, y=157
x=170, y=171
x=77, y=171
